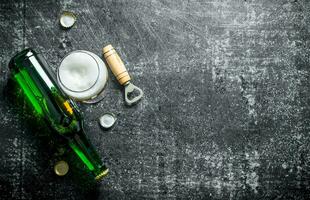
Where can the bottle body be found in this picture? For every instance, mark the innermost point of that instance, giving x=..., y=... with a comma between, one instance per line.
x=38, y=84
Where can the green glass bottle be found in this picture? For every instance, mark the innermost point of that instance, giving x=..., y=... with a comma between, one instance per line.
x=39, y=85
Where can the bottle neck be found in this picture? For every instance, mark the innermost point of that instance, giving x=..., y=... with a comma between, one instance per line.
x=86, y=152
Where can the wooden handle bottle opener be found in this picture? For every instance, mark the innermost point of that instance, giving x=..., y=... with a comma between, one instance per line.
x=120, y=72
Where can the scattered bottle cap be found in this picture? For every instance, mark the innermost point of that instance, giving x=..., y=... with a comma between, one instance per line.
x=132, y=93
x=61, y=168
x=83, y=76
x=67, y=19
x=107, y=120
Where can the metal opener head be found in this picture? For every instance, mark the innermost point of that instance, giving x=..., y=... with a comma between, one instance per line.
x=129, y=88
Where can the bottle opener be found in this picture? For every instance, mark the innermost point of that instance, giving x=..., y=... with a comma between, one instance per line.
x=120, y=72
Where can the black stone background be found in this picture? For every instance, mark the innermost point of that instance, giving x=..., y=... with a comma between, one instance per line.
x=226, y=108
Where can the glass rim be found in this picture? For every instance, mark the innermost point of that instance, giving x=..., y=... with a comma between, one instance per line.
x=78, y=91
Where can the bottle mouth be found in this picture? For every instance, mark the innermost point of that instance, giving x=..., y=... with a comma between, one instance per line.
x=102, y=174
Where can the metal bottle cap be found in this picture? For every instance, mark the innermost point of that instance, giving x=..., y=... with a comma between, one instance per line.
x=61, y=168
x=107, y=120
x=67, y=19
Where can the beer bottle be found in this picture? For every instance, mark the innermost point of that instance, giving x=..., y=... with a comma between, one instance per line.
x=39, y=85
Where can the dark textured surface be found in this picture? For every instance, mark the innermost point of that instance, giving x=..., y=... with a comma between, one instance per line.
x=226, y=112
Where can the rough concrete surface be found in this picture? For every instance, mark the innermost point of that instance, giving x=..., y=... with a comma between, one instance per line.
x=226, y=112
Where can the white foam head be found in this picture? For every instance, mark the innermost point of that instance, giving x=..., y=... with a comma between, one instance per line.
x=82, y=75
